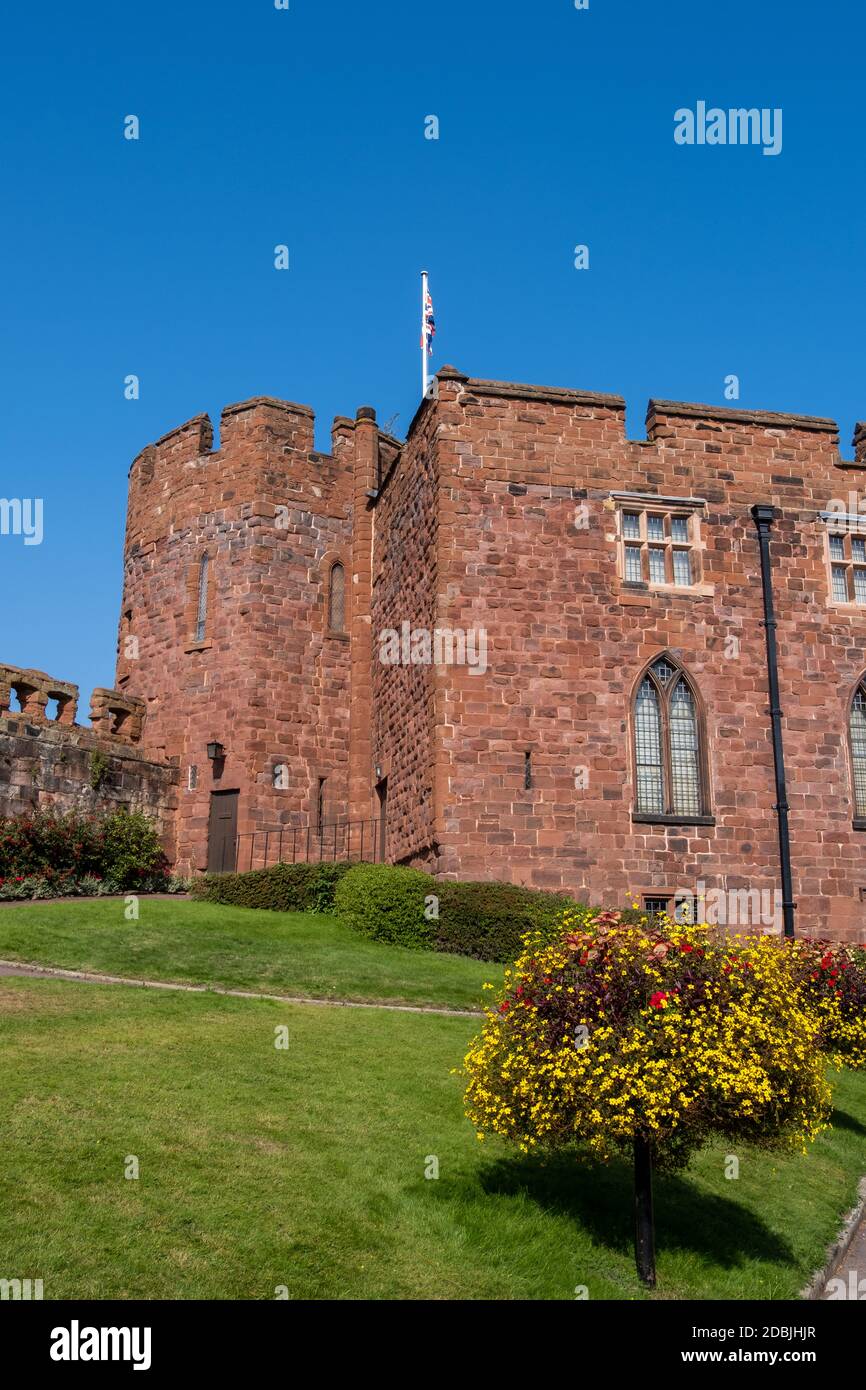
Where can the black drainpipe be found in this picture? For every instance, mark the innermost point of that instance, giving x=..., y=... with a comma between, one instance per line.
x=764, y=517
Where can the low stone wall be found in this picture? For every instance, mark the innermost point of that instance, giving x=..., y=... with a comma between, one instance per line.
x=55, y=763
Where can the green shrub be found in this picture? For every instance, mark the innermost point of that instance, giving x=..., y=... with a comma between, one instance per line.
x=387, y=904
x=132, y=855
x=282, y=888
x=488, y=920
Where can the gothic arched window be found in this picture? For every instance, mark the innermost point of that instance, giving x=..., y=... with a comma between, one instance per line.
x=670, y=777
x=857, y=738
x=337, y=598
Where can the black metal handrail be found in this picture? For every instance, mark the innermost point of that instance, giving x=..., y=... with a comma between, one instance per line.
x=331, y=843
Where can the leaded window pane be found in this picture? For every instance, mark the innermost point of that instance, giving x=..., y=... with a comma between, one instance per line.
x=837, y=548
x=858, y=750
x=662, y=670
x=685, y=781
x=682, y=567
x=840, y=584
x=679, y=528
x=337, y=600
x=648, y=748
x=631, y=526
x=655, y=528
x=632, y=563
x=858, y=550
x=201, y=615
x=860, y=586
x=656, y=565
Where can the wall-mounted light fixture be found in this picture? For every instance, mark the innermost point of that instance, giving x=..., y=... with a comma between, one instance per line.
x=216, y=752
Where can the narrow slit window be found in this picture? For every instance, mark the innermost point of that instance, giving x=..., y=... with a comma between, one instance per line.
x=201, y=612
x=337, y=599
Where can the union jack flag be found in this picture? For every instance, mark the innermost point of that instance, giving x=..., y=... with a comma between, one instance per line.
x=428, y=325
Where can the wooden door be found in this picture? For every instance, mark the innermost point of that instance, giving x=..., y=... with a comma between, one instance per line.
x=222, y=833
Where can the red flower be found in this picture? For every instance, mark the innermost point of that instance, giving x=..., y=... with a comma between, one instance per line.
x=658, y=1000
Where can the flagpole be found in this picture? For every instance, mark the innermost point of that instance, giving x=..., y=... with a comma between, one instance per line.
x=423, y=334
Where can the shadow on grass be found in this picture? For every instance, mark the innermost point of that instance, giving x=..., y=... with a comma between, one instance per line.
x=840, y=1119
x=599, y=1198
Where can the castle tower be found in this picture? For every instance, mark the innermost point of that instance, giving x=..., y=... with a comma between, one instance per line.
x=235, y=624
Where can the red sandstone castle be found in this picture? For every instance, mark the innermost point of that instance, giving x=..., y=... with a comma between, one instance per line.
x=305, y=629
x=516, y=646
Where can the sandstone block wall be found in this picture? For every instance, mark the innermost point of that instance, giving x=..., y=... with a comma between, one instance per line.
x=53, y=763
x=527, y=548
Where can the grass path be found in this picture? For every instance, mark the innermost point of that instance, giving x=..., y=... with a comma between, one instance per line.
x=305, y=1167
x=304, y=954
x=53, y=972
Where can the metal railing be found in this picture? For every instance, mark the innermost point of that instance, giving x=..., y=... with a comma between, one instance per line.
x=361, y=840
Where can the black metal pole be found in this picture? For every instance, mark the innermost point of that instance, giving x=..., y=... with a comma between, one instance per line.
x=764, y=516
x=644, y=1231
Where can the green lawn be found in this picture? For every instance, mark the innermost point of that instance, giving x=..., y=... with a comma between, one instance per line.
x=305, y=1167
x=276, y=952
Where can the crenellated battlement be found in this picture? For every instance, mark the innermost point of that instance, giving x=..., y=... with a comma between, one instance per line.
x=112, y=713
x=33, y=690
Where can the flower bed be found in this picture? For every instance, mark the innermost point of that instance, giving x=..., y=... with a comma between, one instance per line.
x=48, y=856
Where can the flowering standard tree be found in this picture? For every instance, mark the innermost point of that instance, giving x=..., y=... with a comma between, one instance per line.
x=648, y=1040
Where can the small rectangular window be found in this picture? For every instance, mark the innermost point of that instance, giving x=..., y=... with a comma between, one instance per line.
x=847, y=556
x=659, y=547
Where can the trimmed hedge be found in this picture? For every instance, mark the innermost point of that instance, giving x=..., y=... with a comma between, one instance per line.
x=282, y=888
x=387, y=904
x=487, y=920
x=410, y=908
x=405, y=907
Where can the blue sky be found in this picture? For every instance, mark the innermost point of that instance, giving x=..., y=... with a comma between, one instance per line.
x=306, y=127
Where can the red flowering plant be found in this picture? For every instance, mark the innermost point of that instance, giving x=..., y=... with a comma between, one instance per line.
x=832, y=980
x=56, y=852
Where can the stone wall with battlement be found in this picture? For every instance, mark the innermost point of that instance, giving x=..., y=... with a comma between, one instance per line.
x=47, y=760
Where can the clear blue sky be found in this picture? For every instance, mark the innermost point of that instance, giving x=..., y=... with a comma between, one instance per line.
x=306, y=127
